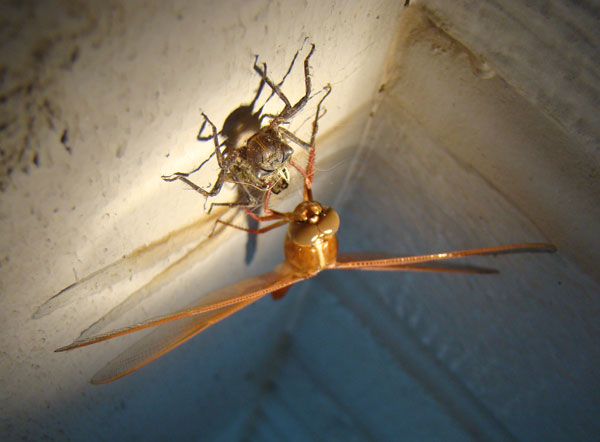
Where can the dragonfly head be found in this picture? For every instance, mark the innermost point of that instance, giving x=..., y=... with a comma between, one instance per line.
x=311, y=244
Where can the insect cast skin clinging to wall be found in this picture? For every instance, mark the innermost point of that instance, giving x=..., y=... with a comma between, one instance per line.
x=252, y=155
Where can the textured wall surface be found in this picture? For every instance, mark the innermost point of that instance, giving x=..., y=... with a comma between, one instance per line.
x=99, y=100
x=451, y=125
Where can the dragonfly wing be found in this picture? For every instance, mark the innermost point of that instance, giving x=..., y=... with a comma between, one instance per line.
x=161, y=340
x=344, y=260
x=385, y=262
x=144, y=258
x=252, y=288
x=178, y=327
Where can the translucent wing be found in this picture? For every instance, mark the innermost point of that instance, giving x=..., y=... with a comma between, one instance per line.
x=347, y=260
x=162, y=340
x=155, y=254
x=375, y=261
x=176, y=328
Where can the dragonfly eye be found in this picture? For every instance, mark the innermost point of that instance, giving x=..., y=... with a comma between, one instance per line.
x=314, y=228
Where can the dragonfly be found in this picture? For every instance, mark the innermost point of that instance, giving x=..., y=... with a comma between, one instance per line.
x=310, y=247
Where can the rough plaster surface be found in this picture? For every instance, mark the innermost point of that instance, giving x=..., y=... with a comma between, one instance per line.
x=101, y=99
x=116, y=89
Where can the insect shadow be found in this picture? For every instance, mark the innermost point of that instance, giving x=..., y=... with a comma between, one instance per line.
x=310, y=247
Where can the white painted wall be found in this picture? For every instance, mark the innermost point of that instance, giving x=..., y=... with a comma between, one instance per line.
x=126, y=82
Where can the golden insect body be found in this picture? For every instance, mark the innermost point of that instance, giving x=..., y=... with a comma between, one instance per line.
x=310, y=247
